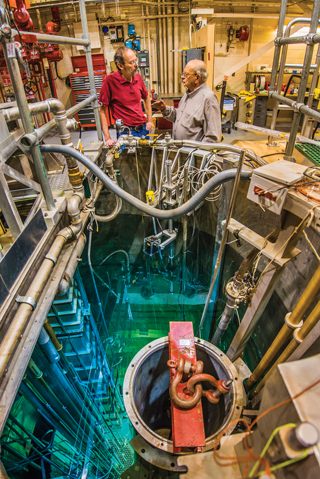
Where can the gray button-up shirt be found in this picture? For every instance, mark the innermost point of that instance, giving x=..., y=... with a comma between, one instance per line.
x=198, y=116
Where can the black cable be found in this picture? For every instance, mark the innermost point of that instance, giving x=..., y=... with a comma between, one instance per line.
x=316, y=127
x=58, y=76
x=272, y=154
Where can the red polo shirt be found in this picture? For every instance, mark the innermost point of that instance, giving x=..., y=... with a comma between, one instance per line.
x=124, y=98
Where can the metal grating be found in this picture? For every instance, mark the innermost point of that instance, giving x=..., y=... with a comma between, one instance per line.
x=312, y=152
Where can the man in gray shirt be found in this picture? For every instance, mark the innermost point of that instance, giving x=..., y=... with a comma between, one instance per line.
x=198, y=115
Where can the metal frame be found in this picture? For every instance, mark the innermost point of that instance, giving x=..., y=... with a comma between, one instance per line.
x=283, y=41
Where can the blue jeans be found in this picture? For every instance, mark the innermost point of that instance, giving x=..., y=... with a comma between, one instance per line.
x=140, y=133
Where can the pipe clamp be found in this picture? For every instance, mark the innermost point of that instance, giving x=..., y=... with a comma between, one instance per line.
x=290, y=324
x=28, y=300
x=296, y=336
x=52, y=258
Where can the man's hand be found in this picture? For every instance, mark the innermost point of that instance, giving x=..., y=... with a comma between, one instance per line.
x=159, y=105
x=109, y=142
x=149, y=125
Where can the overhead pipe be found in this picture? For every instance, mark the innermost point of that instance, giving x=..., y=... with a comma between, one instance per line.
x=204, y=191
x=299, y=336
x=46, y=38
x=292, y=321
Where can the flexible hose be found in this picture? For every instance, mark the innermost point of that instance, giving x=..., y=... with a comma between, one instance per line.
x=115, y=212
x=190, y=205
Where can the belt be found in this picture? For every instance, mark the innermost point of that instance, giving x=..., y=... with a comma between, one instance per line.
x=136, y=128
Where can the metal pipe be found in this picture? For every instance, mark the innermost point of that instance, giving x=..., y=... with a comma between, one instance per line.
x=313, y=85
x=276, y=56
x=210, y=185
x=224, y=237
x=299, y=335
x=48, y=347
x=47, y=326
x=176, y=47
x=169, y=53
x=298, y=65
x=99, y=342
x=309, y=39
x=160, y=50
x=72, y=265
x=165, y=49
x=295, y=21
x=232, y=292
x=314, y=38
x=43, y=130
x=25, y=309
x=292, y=321
x=296, y=106
x=114, y=214
x=185, y=229
x=15, y=76
x=95, y=105
x=44, y=38
x=149, y=48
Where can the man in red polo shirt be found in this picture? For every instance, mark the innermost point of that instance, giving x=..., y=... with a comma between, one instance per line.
x=122, y=92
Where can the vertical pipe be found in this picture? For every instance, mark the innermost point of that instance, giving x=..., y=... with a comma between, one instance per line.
x=189, y=25
x=161, y=64
x=304, y=79
x=299, y=335
x=18, y=89
x=275, y=65
x=176, y=47
x=292, y=321
x=149, y=48
x=281, y=70
x=224, y=239
x=170, y=54
x=185, y=230
x=85, y=35
x=276, y=56
x=311, y=91
x=165, y=48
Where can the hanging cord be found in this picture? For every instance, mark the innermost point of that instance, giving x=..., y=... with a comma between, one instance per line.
x=232, y=460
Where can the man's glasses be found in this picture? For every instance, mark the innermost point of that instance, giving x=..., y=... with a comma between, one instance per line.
x=187, y=75
x=134, y=62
